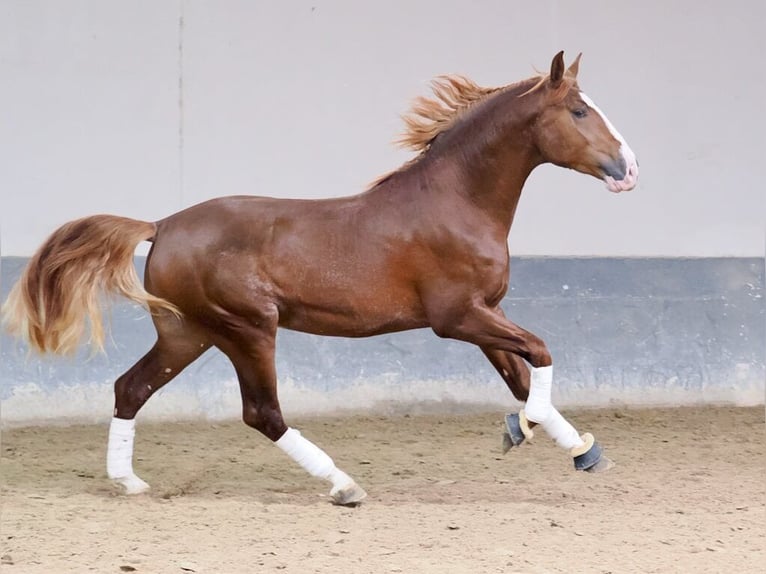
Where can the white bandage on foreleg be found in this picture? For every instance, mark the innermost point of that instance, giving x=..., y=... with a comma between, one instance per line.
x=312, y=459
x=539, y=401
x=539, y=409
x=560, y=430
x=119, y=455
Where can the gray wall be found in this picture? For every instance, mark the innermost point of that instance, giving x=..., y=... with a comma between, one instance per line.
x=621, y=331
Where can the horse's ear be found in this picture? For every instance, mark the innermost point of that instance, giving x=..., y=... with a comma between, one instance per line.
x=574, y=67
x=557, y=69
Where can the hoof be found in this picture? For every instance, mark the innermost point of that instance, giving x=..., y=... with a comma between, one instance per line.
x=602, y=465
x=513, y=435
x=351, y=495
x=590, y=455
x=131, y=484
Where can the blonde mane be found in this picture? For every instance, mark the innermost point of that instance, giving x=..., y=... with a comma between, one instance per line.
x=454, y=96
x=428, y=118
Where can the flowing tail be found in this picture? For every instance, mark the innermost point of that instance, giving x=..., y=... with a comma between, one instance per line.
x=59, y=291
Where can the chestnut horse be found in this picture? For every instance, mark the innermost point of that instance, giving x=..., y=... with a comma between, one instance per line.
x=424, y=246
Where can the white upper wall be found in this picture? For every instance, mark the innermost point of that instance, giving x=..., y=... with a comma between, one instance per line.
x=139, y=108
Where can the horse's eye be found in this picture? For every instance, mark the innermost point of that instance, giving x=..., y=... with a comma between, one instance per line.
x=580, y=113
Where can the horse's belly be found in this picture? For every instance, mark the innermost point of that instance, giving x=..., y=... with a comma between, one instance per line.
x=350, y=321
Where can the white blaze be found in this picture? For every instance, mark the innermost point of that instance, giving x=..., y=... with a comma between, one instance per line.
x=630, y=158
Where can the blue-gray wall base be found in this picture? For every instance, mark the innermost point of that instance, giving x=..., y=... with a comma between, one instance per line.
x=622, y=332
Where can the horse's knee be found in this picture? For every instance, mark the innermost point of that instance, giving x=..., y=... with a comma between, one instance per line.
x=539, y=355
x=265, y=419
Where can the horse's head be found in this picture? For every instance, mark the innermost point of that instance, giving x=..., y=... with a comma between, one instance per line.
x=572, y=132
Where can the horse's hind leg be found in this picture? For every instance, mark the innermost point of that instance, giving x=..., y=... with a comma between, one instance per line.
x=178, y=344
x=251, y=350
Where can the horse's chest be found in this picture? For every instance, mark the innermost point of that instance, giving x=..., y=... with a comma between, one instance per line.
x=492, y=280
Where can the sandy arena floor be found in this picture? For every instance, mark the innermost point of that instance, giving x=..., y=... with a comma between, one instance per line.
x=688, y=495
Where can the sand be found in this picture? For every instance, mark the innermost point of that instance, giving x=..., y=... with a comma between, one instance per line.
x=688, y=494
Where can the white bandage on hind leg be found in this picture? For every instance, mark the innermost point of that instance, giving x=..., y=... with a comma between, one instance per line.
x=539, y=409
x=119, y=455
x=313, y=459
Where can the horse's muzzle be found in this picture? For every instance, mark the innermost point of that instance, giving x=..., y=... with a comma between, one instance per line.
x=620, y=175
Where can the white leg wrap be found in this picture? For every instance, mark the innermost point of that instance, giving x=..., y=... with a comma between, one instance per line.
x=119, y=456
x=540, y=410
x=539, y=400
x=313, y=459
x=560, y=430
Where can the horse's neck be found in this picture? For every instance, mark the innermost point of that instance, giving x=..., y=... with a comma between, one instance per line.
x=495, y=187
x=490, y=158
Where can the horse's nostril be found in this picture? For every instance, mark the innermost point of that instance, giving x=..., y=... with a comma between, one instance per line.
x=616, y=169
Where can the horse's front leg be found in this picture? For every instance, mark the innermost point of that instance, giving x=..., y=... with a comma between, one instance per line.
x=515, y=372
x=505, y=344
